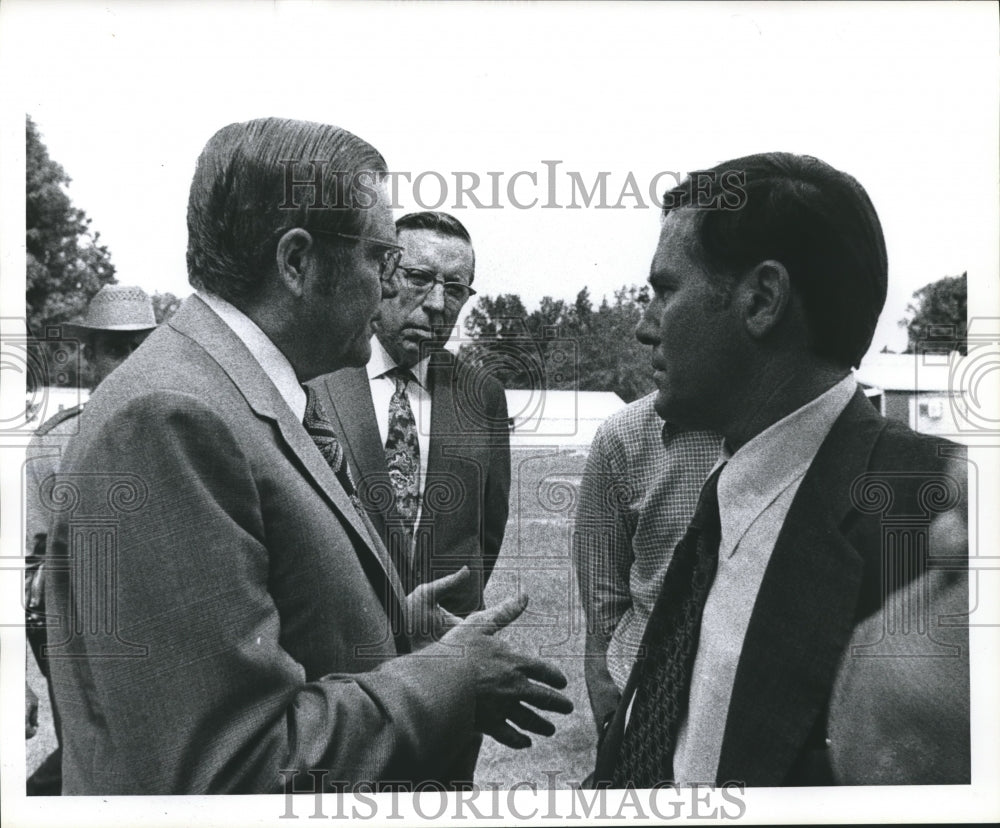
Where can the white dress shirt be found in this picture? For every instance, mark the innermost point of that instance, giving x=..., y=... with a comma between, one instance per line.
x=756, y=490
x=278, y=369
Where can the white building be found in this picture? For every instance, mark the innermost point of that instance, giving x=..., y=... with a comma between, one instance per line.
x=920, y=390
x=567, y=419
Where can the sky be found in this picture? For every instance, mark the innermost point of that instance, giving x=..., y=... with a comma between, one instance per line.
x=125, y=95
x=903, y=96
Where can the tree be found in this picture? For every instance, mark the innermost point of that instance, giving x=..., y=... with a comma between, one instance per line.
x=610, y=357
x=502, y=344
x=936, y=320
x=164, y=306
x=560, y=345
x=65, y=263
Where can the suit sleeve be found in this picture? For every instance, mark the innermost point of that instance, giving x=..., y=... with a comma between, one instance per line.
x=41, y=461
x=496, y=497
x=204, y=699
x=602, y=556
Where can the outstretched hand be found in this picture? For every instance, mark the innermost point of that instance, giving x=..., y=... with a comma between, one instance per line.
x=30, y=712
x=426, y=620
x=507, y=684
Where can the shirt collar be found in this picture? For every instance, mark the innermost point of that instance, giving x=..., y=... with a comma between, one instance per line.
x=274, y=363
x=772, y=461
x=381, y=363
x=669, y=432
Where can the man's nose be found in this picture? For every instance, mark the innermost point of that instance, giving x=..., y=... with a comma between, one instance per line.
x=390, y=287
x=434, y=298
x=648, y=329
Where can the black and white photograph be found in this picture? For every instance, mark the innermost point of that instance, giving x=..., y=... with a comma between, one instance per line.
x=499, y=413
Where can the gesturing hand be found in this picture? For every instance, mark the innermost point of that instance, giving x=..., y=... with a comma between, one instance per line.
x=30, y=712
x=426, y=620
x=506, y=682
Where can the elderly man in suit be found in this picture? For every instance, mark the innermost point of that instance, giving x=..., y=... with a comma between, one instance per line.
x=815, y=574
x=229, y=616
x=426, y=436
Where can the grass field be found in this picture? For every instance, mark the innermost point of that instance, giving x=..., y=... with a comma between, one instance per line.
x=44, y=741
x=535, y=559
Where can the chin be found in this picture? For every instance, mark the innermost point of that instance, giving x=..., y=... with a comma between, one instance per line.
x=672, y=412
x=357, y=357
x=417, y=347
x=662, y=406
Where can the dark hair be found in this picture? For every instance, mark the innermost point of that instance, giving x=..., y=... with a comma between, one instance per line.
x=817, y=221
x=254, y=180
x=443, y=223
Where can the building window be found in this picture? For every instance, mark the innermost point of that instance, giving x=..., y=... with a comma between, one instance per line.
x=932, y=409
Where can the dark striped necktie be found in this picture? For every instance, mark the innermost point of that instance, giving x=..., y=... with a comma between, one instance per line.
x=668, y=650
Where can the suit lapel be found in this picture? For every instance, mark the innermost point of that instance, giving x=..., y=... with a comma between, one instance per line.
x=350, y=403
x=443, y=472
x=350, y=400
x=443, y=418
x=804, y=613
x=198, y=322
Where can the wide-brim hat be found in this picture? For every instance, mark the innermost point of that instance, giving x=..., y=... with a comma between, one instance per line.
x=123, y=308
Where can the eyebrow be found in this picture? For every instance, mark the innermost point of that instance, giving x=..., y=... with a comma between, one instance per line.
x=454, y=281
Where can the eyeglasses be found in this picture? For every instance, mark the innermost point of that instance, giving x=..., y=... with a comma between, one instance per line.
x=422, y=281
x=388, y=261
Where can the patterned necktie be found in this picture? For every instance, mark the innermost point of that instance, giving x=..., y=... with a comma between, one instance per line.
x=402, y=449
x=670, y=644
x=325, y=438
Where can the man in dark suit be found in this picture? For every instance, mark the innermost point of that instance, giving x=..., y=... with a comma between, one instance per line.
x=426, y=436
x=810, y=626
x=229, y=618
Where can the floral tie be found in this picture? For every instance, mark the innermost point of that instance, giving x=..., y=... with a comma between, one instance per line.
x=323, y=435
x=402, y=449
x=325, y=438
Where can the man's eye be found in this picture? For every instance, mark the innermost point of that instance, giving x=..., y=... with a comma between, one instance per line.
x=419, y=277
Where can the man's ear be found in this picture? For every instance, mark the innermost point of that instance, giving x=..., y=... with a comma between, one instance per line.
x=764, y=294
x=292, y=260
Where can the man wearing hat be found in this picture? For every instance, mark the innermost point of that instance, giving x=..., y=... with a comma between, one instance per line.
x=118, y=319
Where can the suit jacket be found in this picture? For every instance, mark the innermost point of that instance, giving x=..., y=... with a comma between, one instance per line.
x=467, y=485
x=829, y=608
x=226, y=614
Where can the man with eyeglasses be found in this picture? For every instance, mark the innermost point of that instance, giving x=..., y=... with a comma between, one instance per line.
x=226, y=618
x=426, y=436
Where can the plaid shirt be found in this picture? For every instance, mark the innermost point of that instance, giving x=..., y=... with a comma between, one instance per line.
x=637, y=496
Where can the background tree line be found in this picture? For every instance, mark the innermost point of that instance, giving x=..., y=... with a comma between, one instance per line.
x=66, y=264
x=562, y=345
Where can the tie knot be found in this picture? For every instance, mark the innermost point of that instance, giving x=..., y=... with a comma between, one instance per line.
x=401, y=376
x=323, y=434
x=315, y=417
x=706, y=512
